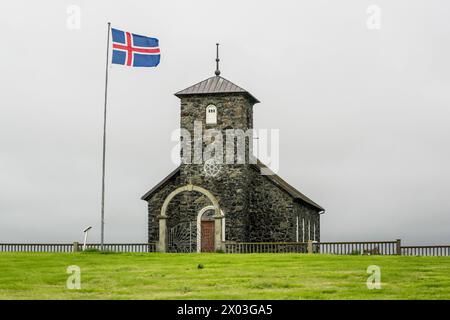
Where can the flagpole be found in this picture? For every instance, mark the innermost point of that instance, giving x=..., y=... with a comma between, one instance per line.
x=104, y=142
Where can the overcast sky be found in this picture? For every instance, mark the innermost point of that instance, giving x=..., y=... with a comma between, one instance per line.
x=363, y=113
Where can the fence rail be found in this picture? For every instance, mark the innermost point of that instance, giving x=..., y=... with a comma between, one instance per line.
x=439, y=251
x=338, y=248
x=71, y=247
x=123, y=247
x=367, y=248
x=36, y=247
x=266, y=247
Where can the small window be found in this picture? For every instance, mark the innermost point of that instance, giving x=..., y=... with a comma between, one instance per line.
x=211, y=114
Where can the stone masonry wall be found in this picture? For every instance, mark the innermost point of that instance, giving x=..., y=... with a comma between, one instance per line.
x=273, y=214
x=255, y=208
x=231, y=185
x=309, y=221
x=154, y=205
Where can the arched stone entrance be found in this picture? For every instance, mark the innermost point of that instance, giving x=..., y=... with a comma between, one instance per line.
x=162, y=244
x=202, y=221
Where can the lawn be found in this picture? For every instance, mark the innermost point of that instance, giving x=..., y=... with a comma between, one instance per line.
x=223, y=276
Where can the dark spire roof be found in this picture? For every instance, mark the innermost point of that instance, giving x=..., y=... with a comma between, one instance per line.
x=216, y=84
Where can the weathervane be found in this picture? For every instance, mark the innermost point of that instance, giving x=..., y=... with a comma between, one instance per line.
x=217, y=60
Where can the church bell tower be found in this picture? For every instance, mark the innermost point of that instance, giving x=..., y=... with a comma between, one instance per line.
x=220, y=105
x=215, y=104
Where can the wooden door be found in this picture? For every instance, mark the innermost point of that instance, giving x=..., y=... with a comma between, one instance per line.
x=207, y=236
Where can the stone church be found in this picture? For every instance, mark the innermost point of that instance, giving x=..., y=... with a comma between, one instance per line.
x=191, y=211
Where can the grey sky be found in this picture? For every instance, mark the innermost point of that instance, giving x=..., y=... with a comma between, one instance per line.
x=363, y=114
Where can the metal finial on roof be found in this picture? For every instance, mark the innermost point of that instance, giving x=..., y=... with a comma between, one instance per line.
x=217, y=60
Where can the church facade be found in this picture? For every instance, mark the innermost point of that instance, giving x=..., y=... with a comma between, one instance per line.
x=194, y=210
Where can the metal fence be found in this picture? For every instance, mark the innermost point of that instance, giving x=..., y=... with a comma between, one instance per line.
x=437, y=251
x=71, y=247
x=355, y=248
x=338, y=248
x=266, y=247
x=122, y=247
x=36, y=247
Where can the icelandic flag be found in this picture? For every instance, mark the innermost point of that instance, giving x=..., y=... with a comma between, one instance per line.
x=134, y=50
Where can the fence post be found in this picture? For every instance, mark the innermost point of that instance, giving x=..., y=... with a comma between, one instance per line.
x=310, y=246
x=398, y=250
x=76, y=246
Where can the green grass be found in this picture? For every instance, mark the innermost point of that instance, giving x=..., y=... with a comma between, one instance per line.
x=223, y=276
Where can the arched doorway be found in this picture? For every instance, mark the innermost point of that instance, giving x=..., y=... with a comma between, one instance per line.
x=205, y=224
x=162, y=244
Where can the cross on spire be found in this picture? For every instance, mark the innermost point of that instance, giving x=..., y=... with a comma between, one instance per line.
x=217, y=60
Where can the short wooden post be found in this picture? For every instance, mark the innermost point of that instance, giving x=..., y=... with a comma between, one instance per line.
x=76, y=246
x=398, y=248
x=310, y=246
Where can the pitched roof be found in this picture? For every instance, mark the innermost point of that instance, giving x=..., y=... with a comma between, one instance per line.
x=215, y=84
x=259, y=166
x=276, y=179
x=160, y=184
